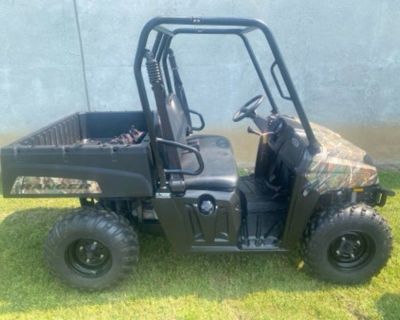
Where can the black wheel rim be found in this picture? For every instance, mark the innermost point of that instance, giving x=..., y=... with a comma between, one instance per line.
x=88, y=257
x=351, y=251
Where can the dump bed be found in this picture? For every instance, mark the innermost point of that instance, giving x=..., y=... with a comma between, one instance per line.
x=78, y=157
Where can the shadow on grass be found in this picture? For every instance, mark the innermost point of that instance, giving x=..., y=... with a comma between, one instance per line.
x=26, y=285
x=389, y=306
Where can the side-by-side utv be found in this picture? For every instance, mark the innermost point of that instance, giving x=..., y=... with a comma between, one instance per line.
x=149, y=170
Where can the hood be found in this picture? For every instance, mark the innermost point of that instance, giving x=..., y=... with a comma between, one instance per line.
x=339, y=164
x=334, y=145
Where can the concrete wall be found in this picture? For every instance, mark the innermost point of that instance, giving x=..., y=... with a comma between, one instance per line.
x=344, y=57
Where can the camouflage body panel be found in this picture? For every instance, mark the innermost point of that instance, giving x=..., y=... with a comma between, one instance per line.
x=340, y=164
x=29, y=185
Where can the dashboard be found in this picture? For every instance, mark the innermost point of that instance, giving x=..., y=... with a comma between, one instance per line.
x=286, y=138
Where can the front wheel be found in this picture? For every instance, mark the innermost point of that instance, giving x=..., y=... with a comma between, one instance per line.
x=348, y=245
x=91, y=249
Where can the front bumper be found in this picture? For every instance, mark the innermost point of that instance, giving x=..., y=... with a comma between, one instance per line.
x=382, y=194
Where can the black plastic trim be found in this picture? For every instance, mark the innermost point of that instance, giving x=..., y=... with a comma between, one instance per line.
x=202, y=123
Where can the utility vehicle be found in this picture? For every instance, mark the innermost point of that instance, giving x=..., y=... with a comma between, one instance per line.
x=310, y=188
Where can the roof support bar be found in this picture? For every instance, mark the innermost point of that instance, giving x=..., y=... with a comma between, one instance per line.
x=259, y=73
x=157, y=43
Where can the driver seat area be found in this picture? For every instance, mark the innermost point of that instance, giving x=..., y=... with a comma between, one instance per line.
x=220, y=170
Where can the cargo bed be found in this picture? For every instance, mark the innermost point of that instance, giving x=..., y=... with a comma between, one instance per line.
x=75, y=157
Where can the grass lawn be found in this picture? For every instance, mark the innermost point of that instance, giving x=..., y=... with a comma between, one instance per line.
x=168, y=286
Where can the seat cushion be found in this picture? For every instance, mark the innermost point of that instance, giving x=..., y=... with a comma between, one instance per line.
x=220, y=170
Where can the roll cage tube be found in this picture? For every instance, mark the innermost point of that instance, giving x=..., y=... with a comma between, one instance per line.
x=232, y=26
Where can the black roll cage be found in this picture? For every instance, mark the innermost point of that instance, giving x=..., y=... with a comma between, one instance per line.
x=229, y=26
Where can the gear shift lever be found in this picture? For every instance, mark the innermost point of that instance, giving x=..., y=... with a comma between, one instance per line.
x=251, y=130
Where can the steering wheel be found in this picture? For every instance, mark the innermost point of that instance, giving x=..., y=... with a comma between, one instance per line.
x=247, y=110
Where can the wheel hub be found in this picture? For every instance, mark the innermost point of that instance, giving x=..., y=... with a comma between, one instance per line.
x=351, y=250
x=88, y=257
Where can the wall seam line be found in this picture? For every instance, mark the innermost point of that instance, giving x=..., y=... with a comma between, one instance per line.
x=83, y=63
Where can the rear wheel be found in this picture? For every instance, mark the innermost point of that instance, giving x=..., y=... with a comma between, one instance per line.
x=348, y=245
x=91, y=249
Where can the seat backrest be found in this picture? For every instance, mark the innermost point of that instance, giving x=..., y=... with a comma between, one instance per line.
x=180, y=127
x=175, y=127
x=178, y=86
